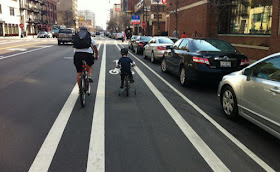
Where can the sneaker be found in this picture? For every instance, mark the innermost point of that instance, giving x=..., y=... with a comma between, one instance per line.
x=90, y=79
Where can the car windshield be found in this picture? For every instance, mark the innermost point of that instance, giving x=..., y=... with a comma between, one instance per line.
x=65, y=31
x=145, y=38
x=213, y=45
x=165, y=41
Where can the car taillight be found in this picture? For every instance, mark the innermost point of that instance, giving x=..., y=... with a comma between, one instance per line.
x=201, y=60
x=161, y=48
x=141, y=44
x=244, y=62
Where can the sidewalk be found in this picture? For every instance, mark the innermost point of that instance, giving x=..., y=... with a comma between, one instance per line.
x=17, y=37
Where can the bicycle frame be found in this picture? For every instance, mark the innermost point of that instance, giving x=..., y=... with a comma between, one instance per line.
x=85, y=84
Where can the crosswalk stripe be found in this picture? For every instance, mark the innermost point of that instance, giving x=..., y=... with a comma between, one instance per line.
x=45, y=155
x=246, y=150
x=209, y=156
x=96, y=155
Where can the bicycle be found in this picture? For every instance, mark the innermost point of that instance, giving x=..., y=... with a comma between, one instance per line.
x=85, y=84
x=127, y=87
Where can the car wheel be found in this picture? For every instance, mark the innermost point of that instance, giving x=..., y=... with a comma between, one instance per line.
x=163, y=65
x=153, y=57
x=183, y=76
x=229, y=102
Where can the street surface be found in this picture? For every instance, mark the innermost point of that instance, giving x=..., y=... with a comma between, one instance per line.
x=164, y=128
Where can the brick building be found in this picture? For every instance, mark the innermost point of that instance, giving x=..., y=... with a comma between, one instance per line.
x=252, y=26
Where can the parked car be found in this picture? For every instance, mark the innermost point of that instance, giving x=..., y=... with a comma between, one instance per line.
x=65, y=35
x=44, y=34
x=92, y=34
x=119, y=36
x=114, y=36
x=201, y=59
x=131, y=41
x=139, y=43
x=174, y=39
x=156, y=48
x=254, y=93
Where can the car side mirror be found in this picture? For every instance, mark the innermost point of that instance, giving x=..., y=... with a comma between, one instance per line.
x=248, y=72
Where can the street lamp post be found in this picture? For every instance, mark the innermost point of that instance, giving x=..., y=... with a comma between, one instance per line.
x=176, y=15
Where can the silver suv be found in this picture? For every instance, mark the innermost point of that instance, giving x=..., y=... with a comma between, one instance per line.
x=254, y=93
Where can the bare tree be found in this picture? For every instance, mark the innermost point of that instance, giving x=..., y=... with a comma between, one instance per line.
x=125, y=20
x=112, y=25
x=67, y=18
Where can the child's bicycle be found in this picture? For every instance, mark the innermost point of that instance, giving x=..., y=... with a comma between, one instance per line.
x=85, y=84
x=127, y=87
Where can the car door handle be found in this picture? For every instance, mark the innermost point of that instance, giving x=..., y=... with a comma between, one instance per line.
x=275, y=90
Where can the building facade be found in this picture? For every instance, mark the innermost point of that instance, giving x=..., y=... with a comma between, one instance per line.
x=67, y=13
x=9, y=18
x=86, y=18
x=154, y=14
x=252, y=26
x=37, y=15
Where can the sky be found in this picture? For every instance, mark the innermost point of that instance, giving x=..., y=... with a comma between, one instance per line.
x=101, y=8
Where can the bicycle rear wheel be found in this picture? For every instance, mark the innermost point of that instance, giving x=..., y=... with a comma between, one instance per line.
x=126, y=87
x=82, y=92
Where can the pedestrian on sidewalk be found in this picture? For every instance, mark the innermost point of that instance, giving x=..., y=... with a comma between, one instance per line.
x=184, y=35
x=176, y=33
x=194, y=35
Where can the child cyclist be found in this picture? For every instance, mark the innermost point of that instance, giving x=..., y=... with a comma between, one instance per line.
x=125, y=63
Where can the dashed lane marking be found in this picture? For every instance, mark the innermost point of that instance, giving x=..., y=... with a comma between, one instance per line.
x=246, y=150
x=208, y=155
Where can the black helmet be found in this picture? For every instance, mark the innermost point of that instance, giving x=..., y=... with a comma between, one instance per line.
x=124, y=51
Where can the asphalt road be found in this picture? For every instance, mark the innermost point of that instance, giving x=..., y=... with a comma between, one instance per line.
x=164, y=128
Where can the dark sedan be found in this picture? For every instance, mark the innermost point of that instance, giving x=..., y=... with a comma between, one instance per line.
x=200, y=59
x=139, y=43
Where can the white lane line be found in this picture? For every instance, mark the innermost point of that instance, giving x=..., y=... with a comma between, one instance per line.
x=5, y=57
x=45, y=155
x=96, y=154
x=246, y=150
x=208, y=155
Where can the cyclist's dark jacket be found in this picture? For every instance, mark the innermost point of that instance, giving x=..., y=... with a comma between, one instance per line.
x=125, y=64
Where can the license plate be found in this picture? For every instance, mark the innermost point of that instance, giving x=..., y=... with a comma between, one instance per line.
x=225, y=64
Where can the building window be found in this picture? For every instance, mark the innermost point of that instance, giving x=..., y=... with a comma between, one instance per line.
x=12, y=11
x=245, y=17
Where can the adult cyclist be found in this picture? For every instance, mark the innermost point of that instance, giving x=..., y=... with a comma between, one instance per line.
x=84, y=54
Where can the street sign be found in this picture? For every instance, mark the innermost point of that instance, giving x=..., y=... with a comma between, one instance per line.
x=21, y=25
x=164, y=1
x=144, y=24
x=135, y=19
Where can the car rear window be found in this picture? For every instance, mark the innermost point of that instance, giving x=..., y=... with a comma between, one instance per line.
x=165, y=41
x=65, y=31
x=145, y=38
x=213, y=45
